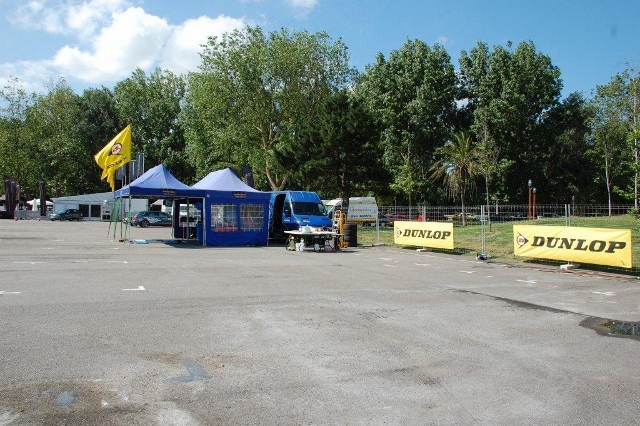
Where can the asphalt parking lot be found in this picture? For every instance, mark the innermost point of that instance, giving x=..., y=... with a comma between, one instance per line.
x=98, y=331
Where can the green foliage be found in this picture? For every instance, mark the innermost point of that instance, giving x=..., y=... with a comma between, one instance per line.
x=16, y=160
x=340, y=155
x=456, y=165
x=412, y=96
x=97, y=123
x=257, y=95
x=612, y=129
x=152, y=105
x=509, y=93
x=51, y=126
x=287, y=103
x=565, y=164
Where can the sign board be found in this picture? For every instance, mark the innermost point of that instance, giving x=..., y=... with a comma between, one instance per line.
x=423, y=234
x=599, y=246
x=362, y=209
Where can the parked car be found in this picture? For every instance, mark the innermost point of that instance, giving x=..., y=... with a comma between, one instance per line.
x=392, y=217
x=151, y=218
x=382, y=221
x=67, y=214
x=517, y=216
x=468, y=216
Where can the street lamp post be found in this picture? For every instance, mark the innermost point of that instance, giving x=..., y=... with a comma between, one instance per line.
x=529, y=205
x=534, y=203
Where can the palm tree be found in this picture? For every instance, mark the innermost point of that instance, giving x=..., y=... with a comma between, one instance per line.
x=456, y=166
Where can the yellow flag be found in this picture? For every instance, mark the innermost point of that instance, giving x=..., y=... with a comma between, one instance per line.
x=114, y=155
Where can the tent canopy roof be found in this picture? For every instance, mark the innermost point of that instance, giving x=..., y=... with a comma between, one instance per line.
x=96, y=198
x=158, y=182
x=223, y=180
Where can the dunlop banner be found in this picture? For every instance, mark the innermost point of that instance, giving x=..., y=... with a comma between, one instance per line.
x=598, y=246
x=424, y=234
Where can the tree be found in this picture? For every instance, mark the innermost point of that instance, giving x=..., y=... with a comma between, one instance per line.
x=630, y=107
x=256, y=95
x=412, y=95
x=52, y=126
x=509, y=92
x=97, y=123
x=487, y=164
x=152, y=105
x=606, y=154
x=343, y=154
x=567, y=170
x=611, y=127
x=15, y=159
x=456, y=167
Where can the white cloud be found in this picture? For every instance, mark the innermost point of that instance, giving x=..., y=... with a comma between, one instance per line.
x=443, y=40
x=181, y=52
x=304, y=4
x=302, y=7
x=133, y=40
x=86, y=18
x=111, y=41
x=66, y=18
x=33, y=76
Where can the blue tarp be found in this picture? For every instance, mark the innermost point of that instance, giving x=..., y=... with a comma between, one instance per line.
x=158, y=182
x=234, y=213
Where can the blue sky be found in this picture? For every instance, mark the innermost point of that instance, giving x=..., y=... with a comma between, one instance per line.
x=100, y=42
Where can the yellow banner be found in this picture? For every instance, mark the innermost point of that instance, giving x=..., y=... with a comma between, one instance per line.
x=598, y=246
x=423, y=234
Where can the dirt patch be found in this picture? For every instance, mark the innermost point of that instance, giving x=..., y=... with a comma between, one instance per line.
x=88, y=404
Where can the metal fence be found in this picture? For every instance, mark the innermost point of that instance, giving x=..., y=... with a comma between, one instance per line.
x=501, y=213
x=488, y=230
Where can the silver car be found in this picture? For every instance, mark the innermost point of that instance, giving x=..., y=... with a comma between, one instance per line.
x=151, y=218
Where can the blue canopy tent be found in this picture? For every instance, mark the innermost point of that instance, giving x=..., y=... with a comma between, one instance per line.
x=158, y=182
x=235, y=213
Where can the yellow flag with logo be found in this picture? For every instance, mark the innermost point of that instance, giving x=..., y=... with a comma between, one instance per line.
x=114, y=155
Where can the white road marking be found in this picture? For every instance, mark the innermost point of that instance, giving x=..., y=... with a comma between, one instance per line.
x=467, y=272
x=391, y=266
x=140, y=288
x=528, y=281
x=28, y=263
x=605, y=293
x=2, y=293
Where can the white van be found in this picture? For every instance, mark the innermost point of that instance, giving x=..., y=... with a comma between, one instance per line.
x=360, y=210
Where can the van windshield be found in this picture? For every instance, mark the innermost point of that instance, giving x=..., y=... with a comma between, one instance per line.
x=313, y=209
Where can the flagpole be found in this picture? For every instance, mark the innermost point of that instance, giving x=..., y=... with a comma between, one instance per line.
x=113, y=206
x=117, y=216
x=124, y=228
